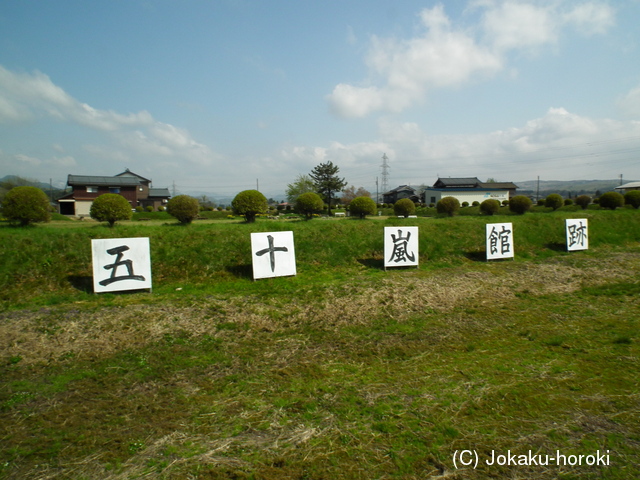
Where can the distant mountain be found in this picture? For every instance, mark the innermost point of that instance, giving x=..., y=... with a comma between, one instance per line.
x=16, y=181
x=567, y=187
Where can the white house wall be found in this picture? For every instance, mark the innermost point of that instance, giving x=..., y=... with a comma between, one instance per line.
x=469, y=197
x=83, y=208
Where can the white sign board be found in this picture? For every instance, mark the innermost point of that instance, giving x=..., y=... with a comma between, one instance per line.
x=400, y=246
x=273, y=254
x=577, y=238
x=499, y=240
x=121, y=264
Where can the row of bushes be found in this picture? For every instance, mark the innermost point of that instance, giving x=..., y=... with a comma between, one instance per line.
x=30, y=204
x=521, y=204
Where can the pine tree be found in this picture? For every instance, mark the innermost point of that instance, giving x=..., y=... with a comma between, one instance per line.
x=327, y=181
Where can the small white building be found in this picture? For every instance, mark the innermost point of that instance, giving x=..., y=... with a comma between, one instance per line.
x=468, y=190
x=627, y=187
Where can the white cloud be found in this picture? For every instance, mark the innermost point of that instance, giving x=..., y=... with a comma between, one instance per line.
x=569, y=145
x=440, y=57
x=445, y=54
x=25, y=159
x=136, y=137
x=629, y=104
x=513, y=25
x=591, y=18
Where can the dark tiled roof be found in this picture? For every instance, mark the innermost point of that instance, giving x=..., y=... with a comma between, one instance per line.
x=399, y=189
x=458, y=182
x=499, y=185
x=93, y=180
x=159, y=192
x=129, y=173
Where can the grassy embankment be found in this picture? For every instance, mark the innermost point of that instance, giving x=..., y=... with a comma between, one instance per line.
x=344, y=371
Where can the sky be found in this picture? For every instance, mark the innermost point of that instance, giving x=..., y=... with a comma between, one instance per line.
x=218, y=96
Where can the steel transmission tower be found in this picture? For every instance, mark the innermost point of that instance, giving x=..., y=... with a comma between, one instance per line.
x=385, y=173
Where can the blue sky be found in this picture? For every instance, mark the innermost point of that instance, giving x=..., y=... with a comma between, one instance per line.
x=220, y=96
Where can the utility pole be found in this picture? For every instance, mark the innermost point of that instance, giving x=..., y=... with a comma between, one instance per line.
x=538, y=190
x=174, y=188
x=620, y=179
x=257, y=185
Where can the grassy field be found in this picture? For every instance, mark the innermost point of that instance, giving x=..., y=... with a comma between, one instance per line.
x=344, y=371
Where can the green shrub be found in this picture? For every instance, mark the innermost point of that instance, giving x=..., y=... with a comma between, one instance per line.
x=520, y=204
x=632, y=198
x=309, y=203
x=583, y=201
x=362, y=206
x=554, y=201
x=404, y=207
x=250, y=203
x=110, y=207
x=465, y=204
x=161, y=208
x=26, y=205
x=568, y=202
x=139, y=209
x=490, y=206
x=183, y=208
x=448, y=206
x=475, y=204
x=149, y=208
x=611, y=200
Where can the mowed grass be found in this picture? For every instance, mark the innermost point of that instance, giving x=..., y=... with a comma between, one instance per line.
x=344, y=371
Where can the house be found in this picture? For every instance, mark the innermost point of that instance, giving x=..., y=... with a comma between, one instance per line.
x=627, y=187
x=86, y=188
x=468, y=189
x=403, y=191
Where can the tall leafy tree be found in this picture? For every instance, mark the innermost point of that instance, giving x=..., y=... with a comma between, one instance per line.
x=326, y=181
x=302, y=184
x=350, y=193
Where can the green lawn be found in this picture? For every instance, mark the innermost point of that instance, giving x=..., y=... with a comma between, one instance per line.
x=344, y=371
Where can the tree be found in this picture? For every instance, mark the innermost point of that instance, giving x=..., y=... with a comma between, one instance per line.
x=350, y=193
x=302, y=184
x=308, y=204
x=362, y=206
x=520, y=204
x=250, y=203
x=404, y=207
x=554, y=201
x=326, y=181
x=183, y=208
x=110, y=207
x=26, y=205
x=448, y=205
x=490, y=206
x=611, y=200
x=583, y=201
x=632, y=197
x=206, y=203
